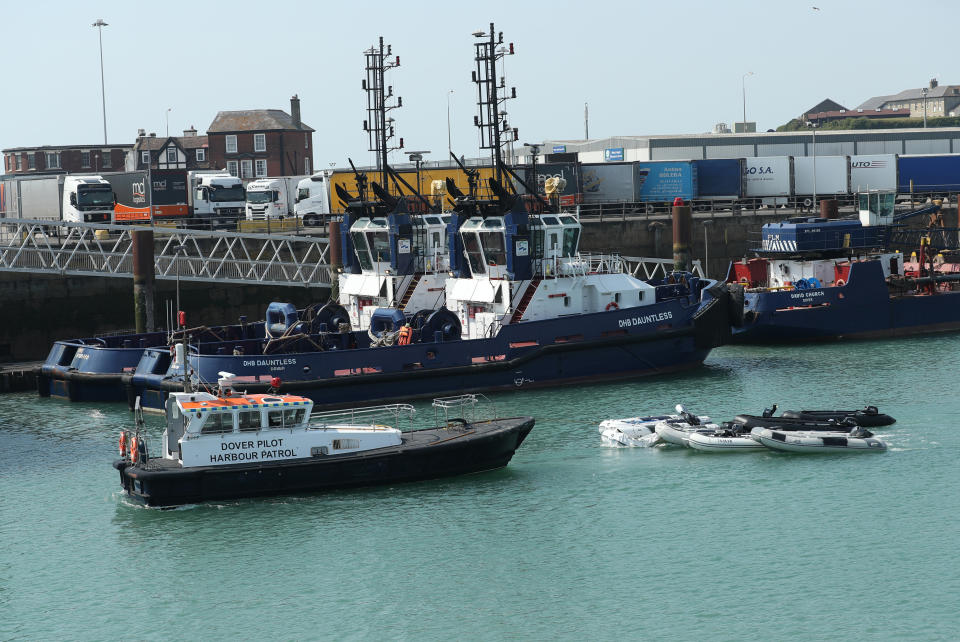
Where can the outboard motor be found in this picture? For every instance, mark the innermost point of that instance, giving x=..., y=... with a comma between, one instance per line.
x=688, y=417
x=280, y=317
x=768, y=412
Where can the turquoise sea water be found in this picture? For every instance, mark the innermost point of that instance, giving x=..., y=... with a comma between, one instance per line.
x=573, y=540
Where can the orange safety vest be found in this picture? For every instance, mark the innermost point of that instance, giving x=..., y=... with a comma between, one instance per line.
x=404, y=338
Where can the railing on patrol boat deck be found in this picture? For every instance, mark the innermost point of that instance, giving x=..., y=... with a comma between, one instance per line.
x=374, y=417
x=94, y=249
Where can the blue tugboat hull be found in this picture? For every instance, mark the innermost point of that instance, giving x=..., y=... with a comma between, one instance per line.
x=669, y=336
x=862, y=309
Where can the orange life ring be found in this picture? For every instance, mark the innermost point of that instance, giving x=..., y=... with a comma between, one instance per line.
x=612, y=306
x=173, y=350
x=133, y=449
x=123, y=443
x=840, y=283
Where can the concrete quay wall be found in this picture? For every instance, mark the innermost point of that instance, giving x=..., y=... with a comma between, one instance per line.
x=36, y=310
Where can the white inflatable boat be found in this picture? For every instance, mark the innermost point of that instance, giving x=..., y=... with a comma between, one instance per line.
x=636, y=431
x=677, y=430
x=723, y=440
x=796, y=441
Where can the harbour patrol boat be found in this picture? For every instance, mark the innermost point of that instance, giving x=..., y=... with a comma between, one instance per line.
x=233, y=445
x=819, y=279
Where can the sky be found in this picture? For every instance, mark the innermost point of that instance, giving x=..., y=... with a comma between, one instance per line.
x=666, y=67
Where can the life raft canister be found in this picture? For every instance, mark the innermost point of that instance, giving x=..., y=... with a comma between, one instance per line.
x=123, y=443
x=403, y=339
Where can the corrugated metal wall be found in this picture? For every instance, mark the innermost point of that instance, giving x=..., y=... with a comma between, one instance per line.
x=729, y=151
x=677, y=153
x=782, y=149
x=926, y=146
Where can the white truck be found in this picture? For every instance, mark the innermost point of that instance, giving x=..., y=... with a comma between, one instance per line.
x=87, y=199
x=313, y=199
x=269, y=198
x=216, y=197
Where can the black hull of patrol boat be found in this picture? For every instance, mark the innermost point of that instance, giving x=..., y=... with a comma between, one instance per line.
x=423, y=454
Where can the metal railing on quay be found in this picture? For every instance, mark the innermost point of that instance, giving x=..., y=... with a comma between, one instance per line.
x=94, y=249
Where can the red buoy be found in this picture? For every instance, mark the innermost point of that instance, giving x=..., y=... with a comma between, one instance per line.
x=275, y=382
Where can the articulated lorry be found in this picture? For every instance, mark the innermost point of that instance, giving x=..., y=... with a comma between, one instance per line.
x=269, y=198
x=313, y=200
x=58, y=197
x=217, y=197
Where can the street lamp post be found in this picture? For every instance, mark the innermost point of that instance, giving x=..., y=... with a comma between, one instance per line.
x=923, y=92
x=813, y=126
x=168, y=121
x=743, y=87
x=100, y=24
x=449, y=146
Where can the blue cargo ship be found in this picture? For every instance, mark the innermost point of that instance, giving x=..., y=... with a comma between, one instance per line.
x=818, y=279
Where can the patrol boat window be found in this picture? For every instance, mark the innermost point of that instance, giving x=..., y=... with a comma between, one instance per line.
x=217, y=422
x=248, y=420
x=471, y=244
x=571, y=237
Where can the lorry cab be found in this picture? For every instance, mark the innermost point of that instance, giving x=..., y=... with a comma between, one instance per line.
x=313, y=200
x=219, y=198
x=87, y=199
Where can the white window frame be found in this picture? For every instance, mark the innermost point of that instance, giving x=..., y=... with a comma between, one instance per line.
x=246, y=168
x=19, y=162
x=54, y=157
x=176, y=156
x=106, y=158
x=233, y=167
x=85, y=158
x=260, y=167
x=306, y=166
x=306, y=141
x=201, y=154
x=145, y=157
x=231, y=143
x=32, y=160
x=259, y=142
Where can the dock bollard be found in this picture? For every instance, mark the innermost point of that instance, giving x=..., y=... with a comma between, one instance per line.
x=682, y=234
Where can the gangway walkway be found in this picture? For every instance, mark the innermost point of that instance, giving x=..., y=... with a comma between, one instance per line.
x=93, y=249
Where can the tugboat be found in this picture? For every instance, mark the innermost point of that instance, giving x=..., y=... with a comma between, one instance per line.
x=519, y=306
x=820, y=279
x=233, y=445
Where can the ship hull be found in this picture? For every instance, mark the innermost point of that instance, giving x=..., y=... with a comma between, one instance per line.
x=670, y=336
x=864, y=308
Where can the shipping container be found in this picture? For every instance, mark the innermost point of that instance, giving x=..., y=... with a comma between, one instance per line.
x=608, y=182
x=832, y=175
x=768, y=176
x=929, y=174
x=663, y=181
x=720, y=179
x=346, y=180
x=873, y=172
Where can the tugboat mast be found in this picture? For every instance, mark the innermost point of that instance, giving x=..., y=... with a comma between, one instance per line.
x=494, y=130
x=379, y=128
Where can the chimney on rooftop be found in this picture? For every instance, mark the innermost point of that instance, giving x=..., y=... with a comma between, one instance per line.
x=190, y=132
x=153, y=134
x=141, y=133
x=933, y=83
x=295, y=110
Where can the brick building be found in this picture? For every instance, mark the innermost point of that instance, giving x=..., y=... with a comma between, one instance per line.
x=171, y=152
x=261, y=142
x=65, y=159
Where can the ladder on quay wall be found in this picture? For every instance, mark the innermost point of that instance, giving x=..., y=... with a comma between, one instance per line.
x=92, y=249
